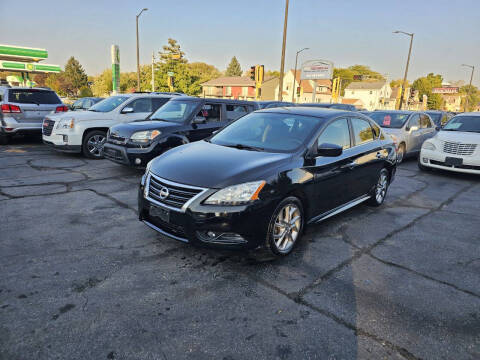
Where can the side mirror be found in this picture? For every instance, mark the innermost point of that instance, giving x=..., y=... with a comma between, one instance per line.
x=438, y=128
x=199, y=120
x=127, y=110
x=330, y=150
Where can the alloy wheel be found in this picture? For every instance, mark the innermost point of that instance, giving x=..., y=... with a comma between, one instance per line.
x=95, y=145
x=287, y=227
x=400, y=154
x=381, y=189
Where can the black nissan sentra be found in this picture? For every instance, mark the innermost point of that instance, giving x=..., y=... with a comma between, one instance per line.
x=257, y=182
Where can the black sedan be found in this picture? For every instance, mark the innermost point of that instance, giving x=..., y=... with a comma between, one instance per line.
x=260, y=180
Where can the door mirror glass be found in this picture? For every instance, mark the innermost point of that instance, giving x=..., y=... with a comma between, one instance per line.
x=330, y=150
x=127, y=110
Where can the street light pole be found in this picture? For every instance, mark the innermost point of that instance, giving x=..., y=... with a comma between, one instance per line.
x=295, y=73
x=138, y=51
x=404, y=84
x=282, y=62
x=470, y=86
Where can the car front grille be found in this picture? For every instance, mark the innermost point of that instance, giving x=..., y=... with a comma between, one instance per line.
x=168, y=228
x=170, y=194
x=458, y=148
x=115, y=139
x=47, y=127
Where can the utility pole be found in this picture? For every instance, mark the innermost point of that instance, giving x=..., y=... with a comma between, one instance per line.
x=295, y=73
x=282, y=62
x=153, y=73
x=138, y=51
x=465, y=108
x=404, y=84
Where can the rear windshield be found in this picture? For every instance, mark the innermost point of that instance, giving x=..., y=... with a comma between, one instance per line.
x=33, y=96
x=389, y=120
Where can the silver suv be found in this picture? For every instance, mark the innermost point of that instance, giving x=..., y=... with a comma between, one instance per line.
x=22, y=110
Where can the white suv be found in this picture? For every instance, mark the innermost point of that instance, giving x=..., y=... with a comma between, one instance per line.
x=86, y=131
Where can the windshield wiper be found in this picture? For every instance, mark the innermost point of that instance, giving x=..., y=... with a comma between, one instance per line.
x=245, y=147
x=158, y=119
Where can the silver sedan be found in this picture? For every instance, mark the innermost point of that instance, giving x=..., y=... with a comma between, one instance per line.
x=409, y=129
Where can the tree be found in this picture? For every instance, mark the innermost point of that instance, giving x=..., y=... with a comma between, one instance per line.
x=272, y=73
x=172, y=51
x=424, y=86
x=234, y=68
x=473, y=96
x=347, y=75
x=398, y=83
x=75, y=76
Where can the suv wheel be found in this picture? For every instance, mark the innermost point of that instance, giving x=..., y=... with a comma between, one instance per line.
x=92, y=146
x=401, y=153
x=377, y=196
x=286, y=226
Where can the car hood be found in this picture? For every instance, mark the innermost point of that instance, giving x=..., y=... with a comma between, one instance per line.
x=214, y=166
x=125, y=130
x=459, y=136
x=83, y=115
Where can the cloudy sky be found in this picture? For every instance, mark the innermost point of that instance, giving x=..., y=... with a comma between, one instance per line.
x=346, y=32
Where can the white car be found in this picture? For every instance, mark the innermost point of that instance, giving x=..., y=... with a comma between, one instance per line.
x=85, y=132
x=456, y=147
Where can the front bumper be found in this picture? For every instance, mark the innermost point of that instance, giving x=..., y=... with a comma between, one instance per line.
x=436, y=159
x=234, y=227
x=136, y=157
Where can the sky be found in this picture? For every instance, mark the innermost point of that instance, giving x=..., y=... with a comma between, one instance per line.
x=347, y=32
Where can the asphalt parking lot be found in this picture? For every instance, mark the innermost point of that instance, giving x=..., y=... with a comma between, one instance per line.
x=82, y=278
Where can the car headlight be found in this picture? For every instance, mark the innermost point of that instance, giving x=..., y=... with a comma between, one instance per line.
x=427, y=145
x=66, y=124
x=145, y=136
x=237, y=194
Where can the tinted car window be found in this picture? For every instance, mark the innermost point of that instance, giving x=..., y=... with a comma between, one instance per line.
x=236, y=111
x=77, y=104
x=425, y=122
x=175, y=111
x=269, y=131
x=362, y=131
x=141, y=105
x=157, y=102
x=388, y=120
x=414, y=121
x=32, y=96
x=337, y=133
x=211, y=112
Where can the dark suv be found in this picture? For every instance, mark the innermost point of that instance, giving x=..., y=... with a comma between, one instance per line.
x=180, y=121
x=22, y=110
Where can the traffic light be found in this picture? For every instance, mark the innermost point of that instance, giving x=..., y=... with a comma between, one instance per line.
x=252, y=72
x=260, y=71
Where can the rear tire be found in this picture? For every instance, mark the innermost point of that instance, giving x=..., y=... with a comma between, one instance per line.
x=379, y=192
x=285, y=227
x=92, y=145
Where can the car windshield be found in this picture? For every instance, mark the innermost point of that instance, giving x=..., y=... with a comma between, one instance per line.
x=463, y=123
x=175, y=111
x=267, y=131
x=389, y=120
x=33, y=96
x=108, y=104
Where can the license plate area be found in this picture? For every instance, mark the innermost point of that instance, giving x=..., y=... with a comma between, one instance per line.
x=161, y=213
x=452, y=161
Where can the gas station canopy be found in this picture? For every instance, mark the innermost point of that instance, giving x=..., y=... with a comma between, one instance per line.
x=25, y=60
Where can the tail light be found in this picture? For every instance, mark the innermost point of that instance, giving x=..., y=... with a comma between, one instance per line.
x=62, y=108
x=8, y=108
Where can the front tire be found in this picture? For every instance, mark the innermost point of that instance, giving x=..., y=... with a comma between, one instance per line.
x=285, y=227
x=401, y=153
x=379, y=192
x=92, y=145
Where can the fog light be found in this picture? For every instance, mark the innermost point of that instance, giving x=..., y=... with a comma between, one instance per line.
x=138, y=161
x=65, y=138
x=425, y=160
x=211, y=234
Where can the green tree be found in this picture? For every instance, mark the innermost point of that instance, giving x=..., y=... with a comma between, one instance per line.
x=272, y=73
x=473, y=95
x=398, y=83
x=347, y=75
x=234, y=68
x=424, y=85
x=75, y=76
x=85, y=91
x=172, y=52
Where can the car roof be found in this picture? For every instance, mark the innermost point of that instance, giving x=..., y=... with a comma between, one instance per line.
x=406, y=112
x=469, y=114
x=309, y=111
x=194, y=98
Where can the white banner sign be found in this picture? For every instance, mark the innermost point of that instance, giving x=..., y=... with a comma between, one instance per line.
x=317, y=69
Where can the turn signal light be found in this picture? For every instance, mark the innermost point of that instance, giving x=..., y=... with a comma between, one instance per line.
x=7, y=108
x=62, y=108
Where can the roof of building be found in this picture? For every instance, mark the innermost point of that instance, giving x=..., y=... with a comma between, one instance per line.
x=230, y=81
x=351, y=101
x=366, y=85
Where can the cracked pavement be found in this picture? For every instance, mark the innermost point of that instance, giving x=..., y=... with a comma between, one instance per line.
x=82, y=278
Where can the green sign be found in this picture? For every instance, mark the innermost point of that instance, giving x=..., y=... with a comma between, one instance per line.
x=28, y=67
x=115, y=52
x=7, y=51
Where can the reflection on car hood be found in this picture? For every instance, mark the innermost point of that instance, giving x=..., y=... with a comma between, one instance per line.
x=125, y=130
x=459, y=136
x=213, y=166
x=83, y=115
